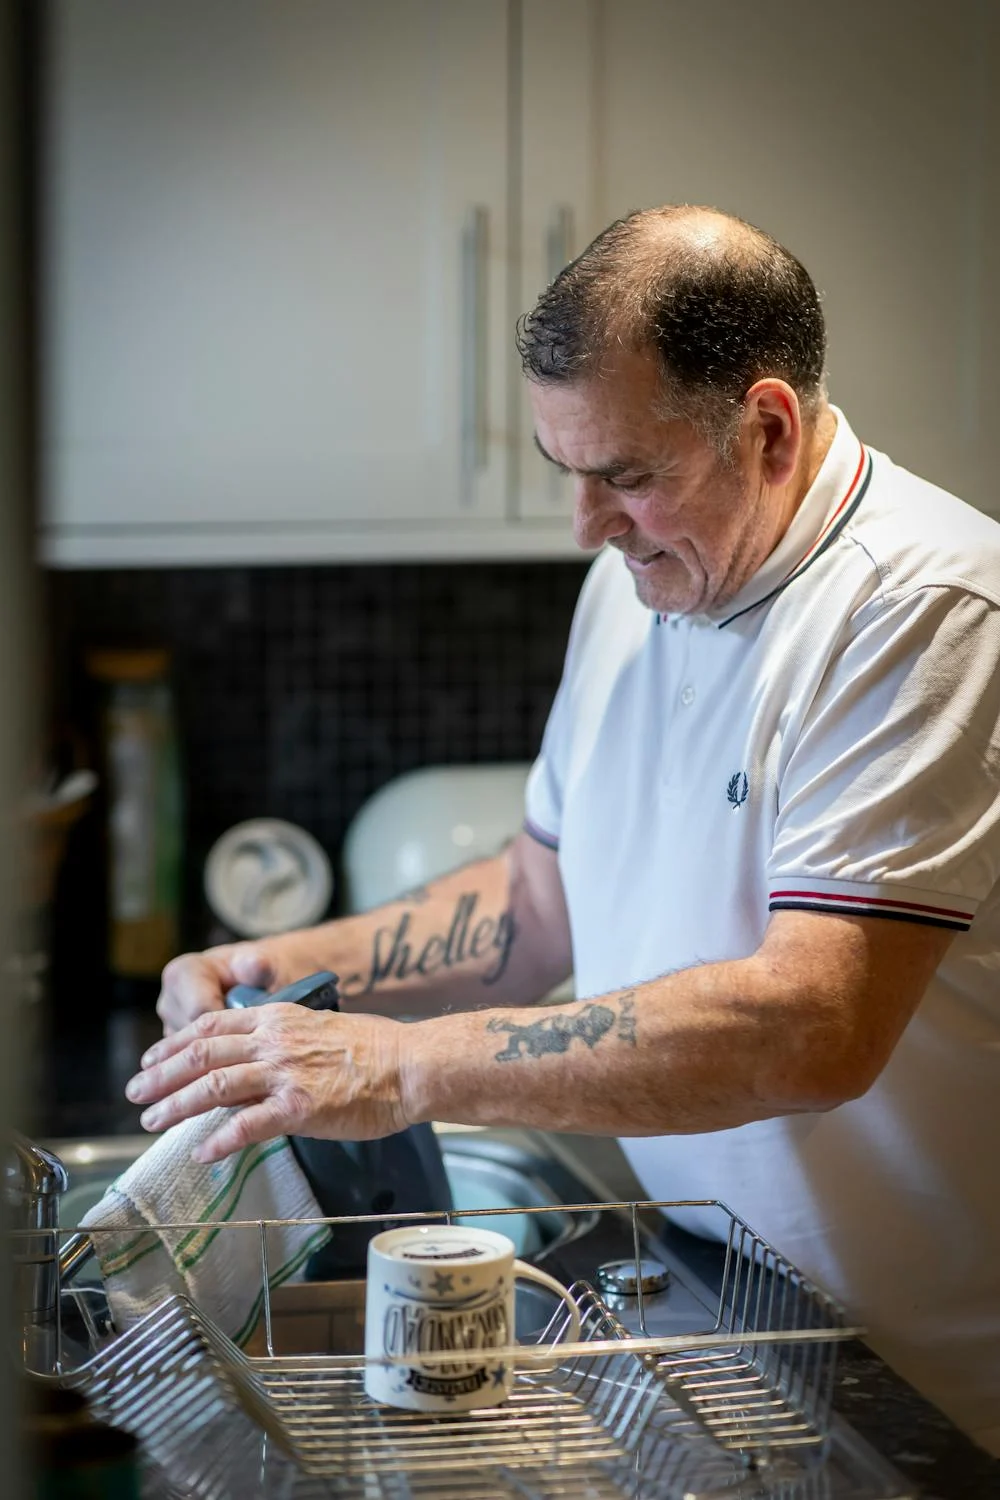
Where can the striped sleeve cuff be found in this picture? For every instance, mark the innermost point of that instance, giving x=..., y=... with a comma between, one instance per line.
x=854, y=898
x=548, y=839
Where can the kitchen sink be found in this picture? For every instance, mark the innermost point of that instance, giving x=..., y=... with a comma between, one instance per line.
x=503, y=1170
x=506, y=1171
x=548, y=1211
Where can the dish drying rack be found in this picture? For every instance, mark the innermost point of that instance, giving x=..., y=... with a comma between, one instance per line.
x=739, y=1409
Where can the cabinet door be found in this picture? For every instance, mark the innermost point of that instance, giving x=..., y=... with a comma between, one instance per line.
x=276, y=256
x=559, y=156
x=865, y=137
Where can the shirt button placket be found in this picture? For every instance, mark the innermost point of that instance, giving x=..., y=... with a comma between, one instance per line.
x=677, y=646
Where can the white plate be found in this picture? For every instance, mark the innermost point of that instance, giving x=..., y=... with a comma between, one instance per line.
x=266, y=876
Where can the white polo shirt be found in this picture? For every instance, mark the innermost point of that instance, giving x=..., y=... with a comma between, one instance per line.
x=828, y=742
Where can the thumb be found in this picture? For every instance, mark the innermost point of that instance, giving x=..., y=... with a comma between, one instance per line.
x=249, y=966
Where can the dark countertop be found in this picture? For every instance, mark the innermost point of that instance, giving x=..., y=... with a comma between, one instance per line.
x=913, y=1435
x=81, y=1077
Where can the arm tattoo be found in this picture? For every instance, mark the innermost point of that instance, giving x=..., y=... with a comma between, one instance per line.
x=626, y=1020
x=396, y=956
x=591, y=1023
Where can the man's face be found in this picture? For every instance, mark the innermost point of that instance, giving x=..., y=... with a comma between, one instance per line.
x=692, y=529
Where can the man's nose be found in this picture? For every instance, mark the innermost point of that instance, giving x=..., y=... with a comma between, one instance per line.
x=596, y=514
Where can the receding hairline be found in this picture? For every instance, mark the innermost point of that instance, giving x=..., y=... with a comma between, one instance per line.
x=697, y=227
x=683, y=233
x=717, y=300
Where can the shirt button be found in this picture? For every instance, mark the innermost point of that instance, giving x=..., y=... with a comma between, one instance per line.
x=687, y=696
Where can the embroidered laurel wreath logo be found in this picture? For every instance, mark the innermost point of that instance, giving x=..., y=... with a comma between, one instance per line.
x=737, y=789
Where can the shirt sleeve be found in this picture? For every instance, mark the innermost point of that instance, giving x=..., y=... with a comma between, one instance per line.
x=543, y=798
x=889, y=794
x=547, y=779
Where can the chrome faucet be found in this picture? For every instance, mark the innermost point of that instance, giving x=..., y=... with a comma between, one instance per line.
x=33, y=1181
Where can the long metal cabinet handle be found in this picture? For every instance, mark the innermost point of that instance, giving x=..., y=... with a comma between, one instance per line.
x=559, y=241
x=475, y=312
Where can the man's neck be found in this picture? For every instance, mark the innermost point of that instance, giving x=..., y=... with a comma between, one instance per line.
x=817, y=435
x=816, y=441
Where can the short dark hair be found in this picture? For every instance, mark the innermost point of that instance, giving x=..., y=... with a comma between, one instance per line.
x=722, y=310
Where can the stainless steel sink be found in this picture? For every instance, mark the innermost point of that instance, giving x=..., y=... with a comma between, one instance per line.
x=505, y=1170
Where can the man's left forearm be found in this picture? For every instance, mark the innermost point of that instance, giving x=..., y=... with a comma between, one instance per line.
x=805, y=1023
x=702, y=1050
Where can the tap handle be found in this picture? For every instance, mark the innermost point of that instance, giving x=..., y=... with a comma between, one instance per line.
x=316, y=992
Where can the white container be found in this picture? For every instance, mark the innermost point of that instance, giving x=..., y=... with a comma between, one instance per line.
x=427, y=822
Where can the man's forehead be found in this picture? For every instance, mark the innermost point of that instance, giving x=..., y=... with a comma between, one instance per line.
x=578, y=428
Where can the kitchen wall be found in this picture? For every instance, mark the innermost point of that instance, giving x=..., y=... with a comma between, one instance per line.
x=300, y=691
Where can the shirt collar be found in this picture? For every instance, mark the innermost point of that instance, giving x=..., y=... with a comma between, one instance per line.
x=826, y=508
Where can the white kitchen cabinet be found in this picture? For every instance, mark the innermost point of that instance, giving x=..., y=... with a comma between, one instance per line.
x=277, y=314
x=865, y=136
x=286, y=244
x=558, y=158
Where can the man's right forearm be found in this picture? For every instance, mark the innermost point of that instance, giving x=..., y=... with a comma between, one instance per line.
x=476, y=938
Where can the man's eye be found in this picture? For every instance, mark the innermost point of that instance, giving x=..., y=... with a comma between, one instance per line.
x=630, y=482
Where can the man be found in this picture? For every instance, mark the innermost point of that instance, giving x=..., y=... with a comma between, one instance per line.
x=763, y=830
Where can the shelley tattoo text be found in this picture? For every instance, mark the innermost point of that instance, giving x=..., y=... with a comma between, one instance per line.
x=590, y=1025
x=396, y=955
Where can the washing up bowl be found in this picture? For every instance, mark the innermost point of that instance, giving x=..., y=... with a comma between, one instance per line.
x=486, y=1169
x=500, y=1180
x=503, y=1170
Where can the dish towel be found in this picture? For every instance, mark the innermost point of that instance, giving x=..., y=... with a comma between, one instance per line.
x=219, y=1268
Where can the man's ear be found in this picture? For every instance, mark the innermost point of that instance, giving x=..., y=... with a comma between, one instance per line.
x=772, y=427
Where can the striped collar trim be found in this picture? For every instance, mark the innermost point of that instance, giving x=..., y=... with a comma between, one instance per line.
x=856, y=492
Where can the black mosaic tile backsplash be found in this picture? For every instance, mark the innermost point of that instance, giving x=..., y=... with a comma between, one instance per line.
x=300, y=691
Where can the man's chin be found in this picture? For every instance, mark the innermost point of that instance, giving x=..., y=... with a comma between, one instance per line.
x=663, y=583
x=666, y=600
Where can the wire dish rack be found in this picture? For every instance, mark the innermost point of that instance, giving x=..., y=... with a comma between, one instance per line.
x=738, y=1408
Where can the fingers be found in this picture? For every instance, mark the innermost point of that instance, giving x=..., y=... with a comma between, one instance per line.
x=281, y=1069
x=250, y=967
x=196, y=983
x=191, y=985
x=200, y=1056
x=214, y=1023
x=244, y=1083
x=263, y=1121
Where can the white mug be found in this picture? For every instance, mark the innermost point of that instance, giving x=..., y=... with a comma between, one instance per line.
x=440, y=1288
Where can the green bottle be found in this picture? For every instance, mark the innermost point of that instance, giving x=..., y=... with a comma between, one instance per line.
x=144, y=809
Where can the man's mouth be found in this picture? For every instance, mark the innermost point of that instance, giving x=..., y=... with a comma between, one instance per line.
x=638, y=564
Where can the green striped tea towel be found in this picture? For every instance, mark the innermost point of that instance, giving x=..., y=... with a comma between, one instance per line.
x=167, y=1225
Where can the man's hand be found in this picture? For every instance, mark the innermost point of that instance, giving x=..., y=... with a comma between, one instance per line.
x=198, y=982
x=285, y=1070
